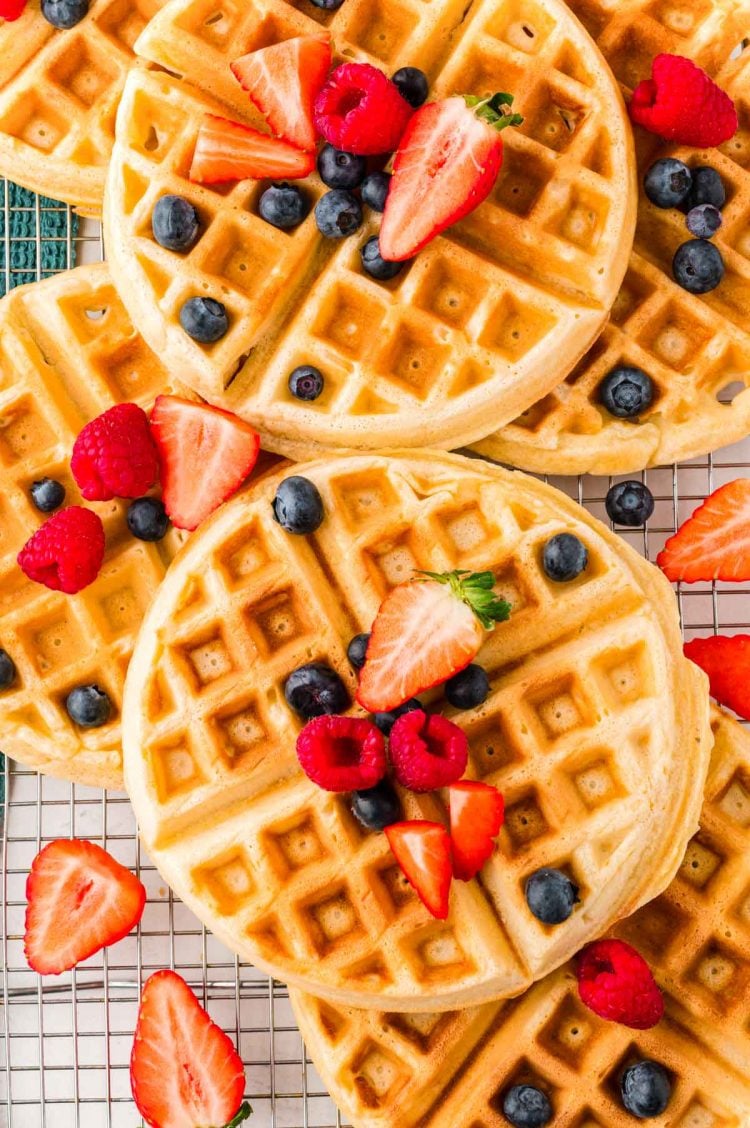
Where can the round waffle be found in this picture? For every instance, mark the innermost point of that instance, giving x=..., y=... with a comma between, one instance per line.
x=596, y=730
x=485, y=320
x=433, y=1070
x=695, y=349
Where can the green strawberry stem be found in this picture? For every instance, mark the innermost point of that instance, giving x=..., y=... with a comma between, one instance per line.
x=475, y=590
x=243, y=1113
x=494, y=110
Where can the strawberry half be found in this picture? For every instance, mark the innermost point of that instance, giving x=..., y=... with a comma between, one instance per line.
x=283, y=81
x=205, y=455
x=477, y=811
x=12, y=10
x=447, y=163
x=79, y=901
x=184, y=1070
x=226, y=150
x=423, y=851
x=727, y=663
x=713, y=544
x=425, y=632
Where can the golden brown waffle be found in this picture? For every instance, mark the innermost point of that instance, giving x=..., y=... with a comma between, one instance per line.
x=592, y=709
x=388, y=1070
x=696, y=349
x=68, y=351
x=487, y=317
x=58, y=97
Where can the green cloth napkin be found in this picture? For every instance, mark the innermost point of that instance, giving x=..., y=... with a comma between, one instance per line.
x=51, y=218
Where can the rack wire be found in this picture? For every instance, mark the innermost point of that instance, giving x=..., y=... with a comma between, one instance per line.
x=65, y=1043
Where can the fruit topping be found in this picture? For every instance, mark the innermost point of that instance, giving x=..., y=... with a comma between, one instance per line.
x=114, y=455
x=226, y=150
x=375, y=265
x=66, y=553
x=468, y=689
x=204, y=319
x=615, y=982
x=477, y=811
x=338, y=169
x=328, y=5
x=626, y=391
x=7, y=669
x=667, y=183
x=175, y=223
x=713, y=544
x=564, y=558
x=284, y=205
x=412, y=85
x=338, y=213
x=315, y=690
x=342, y=753
x=375, y=188
x=726, y=661
x=646, y=1089
x=306, y=382
x=11, y=10
x=378, y=807
x=704, y=221
x=423, y=851
x=698, y=266
x=361, y=111
x=88, y=706
x=147, y=519
x=64, y=14
x=357, y=650
x=525, y=1106
x=629, y=503
x=298, y=506
x=386, y=721
x=551, y=895
x=427, y=751
x=681, y=103
x=707, y=188
x=47, y=494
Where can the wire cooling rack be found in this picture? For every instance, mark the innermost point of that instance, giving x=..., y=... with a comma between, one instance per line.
x=65, y=1042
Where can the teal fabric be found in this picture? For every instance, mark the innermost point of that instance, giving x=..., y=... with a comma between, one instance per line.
x=52, y=219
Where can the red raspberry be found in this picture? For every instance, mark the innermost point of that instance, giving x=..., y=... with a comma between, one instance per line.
x=615, y=982
x=681, y=103
x=66, y=552
x=342, y=753
x=361, y=111
x=115, y=455
x=427, y=752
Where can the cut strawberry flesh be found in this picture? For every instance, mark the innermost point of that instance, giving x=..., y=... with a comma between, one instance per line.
x=226, y=150
x=713, y=544
x=476, y=813
x=423, y=851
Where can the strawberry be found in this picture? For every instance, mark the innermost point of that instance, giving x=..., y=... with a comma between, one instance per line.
x=205, y=456
x=184, y=1070
x=12, y=10
x=283, y=81
x=79, y=900
x=226, y=150
x=425, y=632
x=727, y=663
x=423, y=851
x=713, y=544
x=477, y=811
x=447, y=163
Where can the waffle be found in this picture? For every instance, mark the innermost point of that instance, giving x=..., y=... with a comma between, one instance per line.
x=592, y=708
x=388, y=1070
x=68, y=352
x=467, y=335
x=696, y=349
x=58, y=97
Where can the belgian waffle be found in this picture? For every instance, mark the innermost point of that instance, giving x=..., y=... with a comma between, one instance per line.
x=592, y=709
x=484, y=321
x=696, y=349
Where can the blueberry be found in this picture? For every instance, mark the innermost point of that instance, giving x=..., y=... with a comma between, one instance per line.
x=386, y=721
x=469, y=688
x=646, y=1090
x=327, y=5
x=306, y=382
x=564, y=557
x=704, y=221
x=626, y=391
x=298, y=507
x=698, y=266
x=378, y=807
x=88, y=706
x=412, y=85
x=550, y=895
x=64, y=13
x=338, y=214
x=204, y=319
x=356, y=651
x=630, y=503
x=375, y=265
x=315, y=689
x=338, y=169
x=375, y=190
x=707, y=188
x=47, y=494
x=174, y=222
x=7, y=669
x=527, y=1107
x=284, y=205
x=147, y=519
x=668, y=182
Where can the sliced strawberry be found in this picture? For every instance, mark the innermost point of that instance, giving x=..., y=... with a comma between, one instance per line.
x=205, y=455
x=79, y=900
x=226, y=150
x=12, y=10
x=184, y=1070
x=447, y=162
x=727, y=663
x=423, y=851
x=424, y=633
x=477, y=811
x=713, y=544
x=283, y=81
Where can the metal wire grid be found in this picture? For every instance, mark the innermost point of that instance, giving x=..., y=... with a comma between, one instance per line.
x=65, y=1044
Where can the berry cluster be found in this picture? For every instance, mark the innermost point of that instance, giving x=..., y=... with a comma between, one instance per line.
x=698, y=265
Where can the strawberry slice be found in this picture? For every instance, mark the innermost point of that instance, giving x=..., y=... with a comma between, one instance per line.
x=727, y=663
x=447, y=163
x=423, y=851
x=713, y=544
x=79, y=900
x=425, y=632
x=12, y=10
x=283, y=81
x=226, y=150
x=205, y=455
x=184, y=1070
x=477, y=811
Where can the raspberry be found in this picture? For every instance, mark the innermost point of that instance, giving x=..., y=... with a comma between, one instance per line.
x=66, y=553
x=427, y=752
x=681, y=103
x=115, y=455
x=361, y=111
x=342, y=753
x=615, y=982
